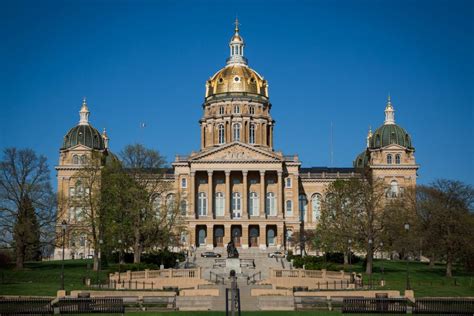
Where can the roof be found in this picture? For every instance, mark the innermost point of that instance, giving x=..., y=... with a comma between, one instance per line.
x=327, y=170
x=85, y=135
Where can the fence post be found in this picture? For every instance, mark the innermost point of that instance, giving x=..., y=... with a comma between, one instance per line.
x=146, y=273
x=129, y=274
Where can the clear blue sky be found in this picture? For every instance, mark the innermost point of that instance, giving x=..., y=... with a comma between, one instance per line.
x=326, y=61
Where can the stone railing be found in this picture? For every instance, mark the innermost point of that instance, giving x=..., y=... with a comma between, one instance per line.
x=317, y=274
x=156, y=274
x=328, y=175
x=311, y=279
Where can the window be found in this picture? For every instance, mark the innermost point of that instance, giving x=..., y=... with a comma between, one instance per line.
x=236, y=204
x=202, y=204
x=288, y=182
x=71, y=214
x=156, y=205
x=183, y=207
x=236, y=107
x=220, y=204
x=270, y=181
x=236, y=132
x=221, y=109
x=82, y=160
x=184, y=183
x=79, y=189
x=397, y=159
x=289, y=208
x=75, y=159
x=235, y=180
x=389, y=159
x=72, y=191
x=270, y=206
x=316, y=206
x=303, y=206
x=271, y=236
x=253, y=181
x=82, y=240
x=377, y=140
x=170, y=203
x=221, y=134
x=252, y=109
x=252, y=134
x=253, y=204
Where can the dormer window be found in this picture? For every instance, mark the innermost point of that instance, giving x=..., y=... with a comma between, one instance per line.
x=252, y=110
x=397, y=159
x=221, y=110
x=236, y=109
x=389, y=159
x=75, y=159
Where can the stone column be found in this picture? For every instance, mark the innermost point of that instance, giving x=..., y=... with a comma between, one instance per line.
x=280, y=235
x=245, y=213
x=245, y=237
x=227, y=207
x=264, y=130
x=262, y=194
x=227, y=236
x=203, y=135
x=279, y=196
x=192, y=235
x=296, y=207
x=210, y=237
x=262, y=238
x=210, y=197
x=192, y=197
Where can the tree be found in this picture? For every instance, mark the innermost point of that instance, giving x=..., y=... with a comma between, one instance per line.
x=445, y=210
x=26, y=234
x=25, y=188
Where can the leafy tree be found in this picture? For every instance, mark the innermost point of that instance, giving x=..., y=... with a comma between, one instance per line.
x=26, y=234
x=25, y=189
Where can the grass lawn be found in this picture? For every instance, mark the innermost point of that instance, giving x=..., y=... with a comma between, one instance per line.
x=43, y=278
x=255, y=313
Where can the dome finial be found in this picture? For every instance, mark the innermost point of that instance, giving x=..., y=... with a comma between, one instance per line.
x=389, y=112
x=236, y=24
x=236, y=47
x=105, y=138
x=84, y=113
x=369, y=135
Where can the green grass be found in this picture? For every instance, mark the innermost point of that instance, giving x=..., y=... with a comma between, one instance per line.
x=254, y=313
x=43, y=278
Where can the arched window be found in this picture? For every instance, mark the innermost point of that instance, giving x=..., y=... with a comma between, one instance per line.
x=202, y=204
x=75, y=159
x=377, y=140
x=252, y=134
x=316, y=206
x=271, y=236
x=397, y=159
x=252, y=110
x=156, y=204
x=389, y=159
x=253, y=204
x=270, y=206
x=170, y=204
x=79, y=188
x=220, y=204
x=394, y=189
x=236, y=107
x=289, y=208
x=236, y=132
x=236, y=204
x=183, y=207
x=303, y=206
x=221, y=134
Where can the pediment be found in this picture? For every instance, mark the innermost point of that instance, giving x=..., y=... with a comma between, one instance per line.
x=79, y=147
x=236, y=151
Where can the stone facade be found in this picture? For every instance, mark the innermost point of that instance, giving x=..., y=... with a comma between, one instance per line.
x=237, y=187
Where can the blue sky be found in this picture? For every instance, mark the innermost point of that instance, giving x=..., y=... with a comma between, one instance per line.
x=325, y=61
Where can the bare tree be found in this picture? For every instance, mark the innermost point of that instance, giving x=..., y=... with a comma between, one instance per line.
x=24, y=184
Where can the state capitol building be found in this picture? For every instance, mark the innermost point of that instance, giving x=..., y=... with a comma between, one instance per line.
x=237, y=186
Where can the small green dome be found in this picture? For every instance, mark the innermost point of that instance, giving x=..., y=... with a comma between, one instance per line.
x=388, y=134
x=362, y=160
x=85, y=135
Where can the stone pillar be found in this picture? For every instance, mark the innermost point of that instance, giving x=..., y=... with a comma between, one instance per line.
x=227, y=207
x=210, y=237
x=262, y=238
x=280, y=213
x=203, y=135
x=192, y=197
x=244, y=240
x=226, y=235
x=262, y=194
x=264, y=134
x=296, y=188
x=192, y=235
x=280, y=235
x=210, y=197
x=271, y=136
x=213, y=141
x=245, y=213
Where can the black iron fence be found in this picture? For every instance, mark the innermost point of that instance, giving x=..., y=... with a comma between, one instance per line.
x=459, y=306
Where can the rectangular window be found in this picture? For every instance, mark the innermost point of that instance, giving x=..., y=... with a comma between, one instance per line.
x=72, y=191
x=288, y=182
x=184, y=183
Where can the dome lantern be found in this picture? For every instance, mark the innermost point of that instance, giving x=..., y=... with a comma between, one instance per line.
x=84, y=113
x=236, y=47
x=389, y=113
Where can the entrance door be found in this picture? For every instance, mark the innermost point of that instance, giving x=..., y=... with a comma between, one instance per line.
x=271, y=234
x=236, y=235
x=201, y=236
x=219, y=236
x=253, y=236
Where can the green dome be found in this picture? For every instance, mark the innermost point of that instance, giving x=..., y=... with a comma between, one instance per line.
x=390, y=134
x=85, y=135
x=362, y=160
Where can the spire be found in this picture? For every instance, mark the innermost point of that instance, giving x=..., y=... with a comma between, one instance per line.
x=105, y=138
x=389, y=112
x=84, y=113
x=236, y=47
x=369, y=135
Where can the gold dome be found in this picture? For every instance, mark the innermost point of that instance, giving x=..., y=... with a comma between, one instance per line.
x=236, y=78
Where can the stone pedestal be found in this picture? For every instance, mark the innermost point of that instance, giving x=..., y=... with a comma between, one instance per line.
x=232, y=264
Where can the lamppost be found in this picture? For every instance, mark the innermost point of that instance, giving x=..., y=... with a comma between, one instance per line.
x=370, y=250
x=349, y=242
x=99, y=263
x=63, y=226
x=120, y=258
x=407, y=228
x=382, y=281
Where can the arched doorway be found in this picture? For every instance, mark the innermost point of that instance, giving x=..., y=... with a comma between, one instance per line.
x=254, y=233
x=271, y=236
x=236, y=233
x=201, y=234
x=218, y=236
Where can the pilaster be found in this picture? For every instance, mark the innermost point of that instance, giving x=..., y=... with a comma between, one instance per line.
x=245, y=213
x=262, y=194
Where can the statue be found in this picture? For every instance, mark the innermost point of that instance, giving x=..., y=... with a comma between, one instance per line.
x=232, y=250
